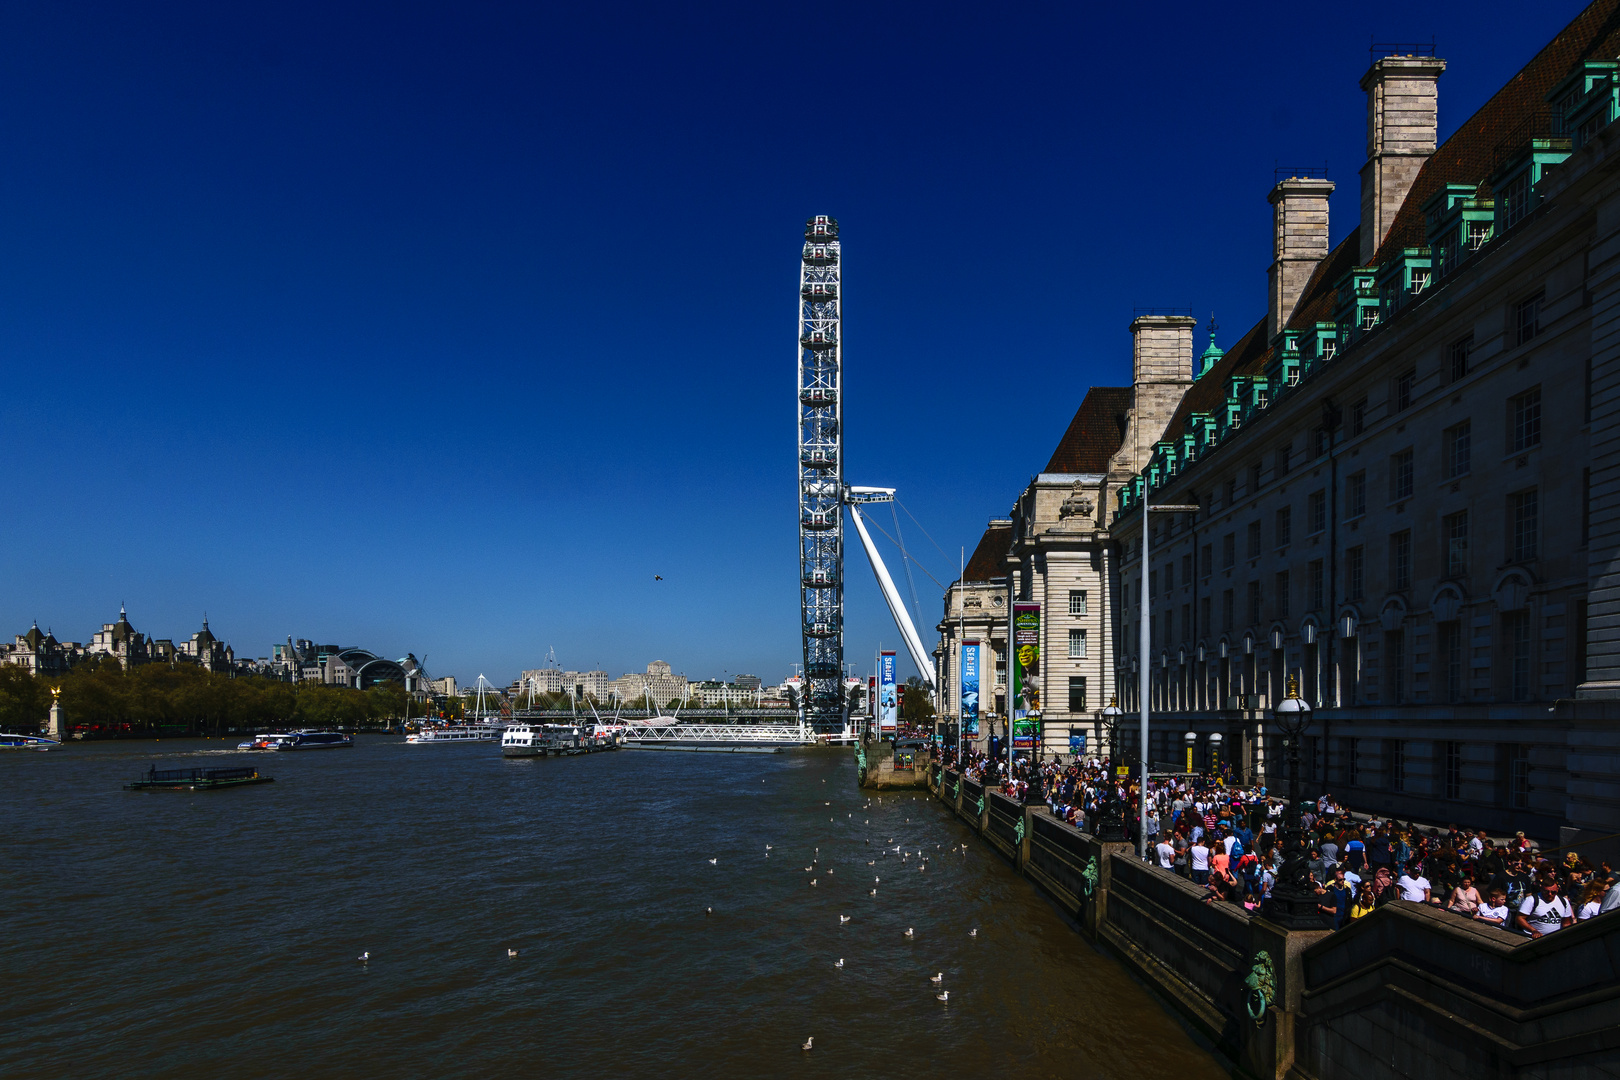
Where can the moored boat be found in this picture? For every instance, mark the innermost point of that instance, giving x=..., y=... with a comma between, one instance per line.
x=457, y=733
x=555, y=740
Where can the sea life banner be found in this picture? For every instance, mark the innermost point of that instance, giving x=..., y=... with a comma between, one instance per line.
x=970, y=689
x=888, y=714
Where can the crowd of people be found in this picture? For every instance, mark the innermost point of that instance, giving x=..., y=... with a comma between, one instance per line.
x=1227, y=838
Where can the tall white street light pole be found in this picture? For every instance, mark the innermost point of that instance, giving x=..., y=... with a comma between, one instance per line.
x=1145, y=686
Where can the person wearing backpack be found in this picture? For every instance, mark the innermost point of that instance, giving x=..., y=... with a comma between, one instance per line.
x=1544, y=911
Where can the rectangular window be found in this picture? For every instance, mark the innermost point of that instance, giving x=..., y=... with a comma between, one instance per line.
x=1226, y=610
x=1186, y=622
x=1153, y=584
x=1404, y=384
x=1394, y=764
x=1077, y=644
x=1254, y=540
x=1355, y=494
x=1203, y=613
x=1352, y=762
x=1451, y=659
x=1454, y=527
x=1077, y=693
x=1186, y=569
x=1316, y=515
x=1285, y=526
x=1254, y=602
x=1358, y=417
x=1519, y=777
x=1318, y=584
x=1282, y=457
x=1169, y=578
x=1282, y=594
x=1527, y=317
x=1228, y=551
x=1319, y=441
x=1077, y=602
x=1462, y=350
x=1355, y=573
x=1516, y=631
x=1394, y=667
x=1458, y=443
x=1206, y=558
x=1231, y=491
x=1254, y=478
x=1400, y=476
x=1515, y=200
x=1523, y=525
x=1400, y=560
x=1524, y=420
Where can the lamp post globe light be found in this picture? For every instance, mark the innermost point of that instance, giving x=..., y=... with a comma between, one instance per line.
x=1111, y=814
x=1293, y=902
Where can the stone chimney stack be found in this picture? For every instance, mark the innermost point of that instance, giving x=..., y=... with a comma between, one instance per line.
x=1299, y=210
x=1162, y=365
x=1402, y=118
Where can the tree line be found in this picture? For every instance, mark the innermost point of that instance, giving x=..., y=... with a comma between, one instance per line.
x=101, y=697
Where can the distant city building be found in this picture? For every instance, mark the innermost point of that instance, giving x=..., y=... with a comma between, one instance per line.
x=576, y=684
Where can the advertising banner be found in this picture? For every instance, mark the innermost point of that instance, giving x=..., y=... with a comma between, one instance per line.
x=888, y=712
x=1077, y=742
x=970, y=689
x=1026, y=650
x=1027, y=734
x=871, y=695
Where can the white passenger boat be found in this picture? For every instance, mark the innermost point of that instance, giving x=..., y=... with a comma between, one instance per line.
x=556, y=740
x=27, y=742
x=458, y=733
x=311, y=740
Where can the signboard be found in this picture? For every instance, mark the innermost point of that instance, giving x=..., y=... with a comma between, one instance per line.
x=871, y=695
x=1026, y=658
x=970, y=689
x=1077, y=742
x=1026, y=734
x=888, y=711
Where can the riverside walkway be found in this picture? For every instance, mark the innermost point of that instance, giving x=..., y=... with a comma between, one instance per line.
x=1404, y=992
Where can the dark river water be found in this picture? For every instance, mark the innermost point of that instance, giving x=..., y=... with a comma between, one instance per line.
x=217, y=933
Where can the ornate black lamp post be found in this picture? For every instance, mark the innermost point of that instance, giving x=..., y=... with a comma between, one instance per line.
x=1110, y=812
x=1293, y=902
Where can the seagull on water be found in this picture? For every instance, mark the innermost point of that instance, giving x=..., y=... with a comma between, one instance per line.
x=807, y=1043
x=974, y=932
x=842, y=919
x=511, y=954
x=840, y=962
x=872, y=893
x=909, y=932
x=767, y=847
x=812, y=881
x=937, y=979
x=363, y=957
x=708, y=911
x=944, y=995
x=713, y=862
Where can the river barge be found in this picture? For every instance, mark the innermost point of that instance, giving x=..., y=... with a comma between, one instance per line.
x=556, y=740
x=199, y=779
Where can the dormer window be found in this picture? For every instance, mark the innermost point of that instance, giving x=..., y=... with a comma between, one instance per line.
x=1515, y=200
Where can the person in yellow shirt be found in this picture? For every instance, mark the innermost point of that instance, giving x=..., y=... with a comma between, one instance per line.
x=1365, y=902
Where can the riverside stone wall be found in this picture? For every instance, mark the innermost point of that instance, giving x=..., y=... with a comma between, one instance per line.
x=1406, y=992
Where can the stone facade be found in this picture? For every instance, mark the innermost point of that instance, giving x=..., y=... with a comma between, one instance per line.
x=1408, y=495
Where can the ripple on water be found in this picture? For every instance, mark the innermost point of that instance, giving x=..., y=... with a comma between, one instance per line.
x=178, y=933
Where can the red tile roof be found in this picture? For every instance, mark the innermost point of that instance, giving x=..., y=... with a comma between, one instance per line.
x=1095, y=434
x=990, y=557
x=1506, y=122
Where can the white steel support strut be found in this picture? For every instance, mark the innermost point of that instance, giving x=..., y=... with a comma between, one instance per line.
x=902, y=620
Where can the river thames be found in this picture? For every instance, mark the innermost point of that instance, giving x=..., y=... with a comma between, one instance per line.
x=162, y=934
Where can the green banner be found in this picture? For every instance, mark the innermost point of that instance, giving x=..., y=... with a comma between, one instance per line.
x=1026, y=661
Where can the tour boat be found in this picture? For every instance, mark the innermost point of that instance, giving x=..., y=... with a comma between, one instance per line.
x=27, y=742
x=459, y=733
x=311, y=740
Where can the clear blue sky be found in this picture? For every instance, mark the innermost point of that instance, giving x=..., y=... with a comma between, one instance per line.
x=446, y=327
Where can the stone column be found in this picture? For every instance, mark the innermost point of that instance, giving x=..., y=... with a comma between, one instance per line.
x=57, y=727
